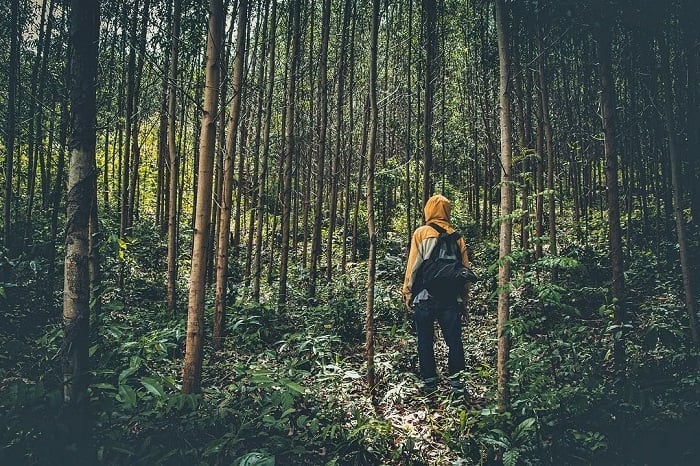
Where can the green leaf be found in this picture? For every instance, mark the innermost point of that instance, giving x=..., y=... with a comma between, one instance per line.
x=216, y=445
x=153, y=386
x=126, y=373
x=287, y=412
x=523, y=429
x=295, y=387
x=510, y=457
x=256, y=458
x=127, y=396
x=103, y=386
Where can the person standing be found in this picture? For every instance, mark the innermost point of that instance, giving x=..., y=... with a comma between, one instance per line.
x=426, y=307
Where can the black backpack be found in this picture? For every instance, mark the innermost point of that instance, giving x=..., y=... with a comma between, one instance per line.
x=443, y=273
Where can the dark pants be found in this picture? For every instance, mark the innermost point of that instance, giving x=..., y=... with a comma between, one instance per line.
x=449, y=317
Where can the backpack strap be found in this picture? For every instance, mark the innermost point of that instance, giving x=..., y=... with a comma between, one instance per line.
x=454, y=235
x=442, y=231
x=437, y=228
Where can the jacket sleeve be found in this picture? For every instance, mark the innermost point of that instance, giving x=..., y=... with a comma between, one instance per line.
x=465, y=261
x=415, y=259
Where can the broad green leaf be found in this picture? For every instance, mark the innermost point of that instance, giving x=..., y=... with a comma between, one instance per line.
x=256, y=458
x=153, y=386
x=295, y=387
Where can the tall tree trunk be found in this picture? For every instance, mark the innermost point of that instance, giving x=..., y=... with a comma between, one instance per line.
x=289, y=151
x=221, y=142
x=549, y=147
x=347, y=128
x=430, y=27
x=128, y=121
x=607, y=105
x=539, y=181
x=81, y=195
x=174, y=165
x=33, y=105
x=321, y=149
x=265, y=157
x=57, y=192
x=136, y=127
x=506, y=228
x=227, y=187
x=13, y=72
x=261, y=42
x=38, y=156
x=192, y=370
x=371, y=162
x=408, y=143
x=360, y=174
x=688, y=285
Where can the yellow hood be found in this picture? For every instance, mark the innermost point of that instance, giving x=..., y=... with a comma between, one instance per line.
x=437, y=210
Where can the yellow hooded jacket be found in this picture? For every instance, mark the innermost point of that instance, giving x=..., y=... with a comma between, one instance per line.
x=436, y=210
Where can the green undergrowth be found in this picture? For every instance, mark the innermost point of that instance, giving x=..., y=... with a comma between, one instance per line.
x=288, y=388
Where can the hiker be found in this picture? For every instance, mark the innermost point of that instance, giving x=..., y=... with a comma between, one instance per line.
x=444, y=305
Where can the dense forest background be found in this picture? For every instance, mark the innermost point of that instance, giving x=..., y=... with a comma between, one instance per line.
x=207, y=208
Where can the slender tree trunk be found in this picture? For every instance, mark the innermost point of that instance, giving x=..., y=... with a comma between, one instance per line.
x=506, y=227
x=547, y=126
x=430, y=27
x=227, y=187
x=371, y=162
x=13, y=72
x=136, y=126
x=59, y=181
x=321, y=150
x=174, y=158
x=539, y=181
x=33, y=139
x=688, y=285
x=266, y=152
x=607, y=105
x=348, y=225
x=360, y=175
x=192, y=370
x=163, y=161
x=408, y=142
x=130, y=86
x=260, y=96
x=38, y=156
x=289, y=151
x=524, y=161
x=81, y=195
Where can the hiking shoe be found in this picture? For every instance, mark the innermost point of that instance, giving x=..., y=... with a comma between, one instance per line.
x=457, y=386
x=429, y=385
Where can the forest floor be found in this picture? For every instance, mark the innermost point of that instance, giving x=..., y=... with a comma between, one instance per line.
x=289, y=388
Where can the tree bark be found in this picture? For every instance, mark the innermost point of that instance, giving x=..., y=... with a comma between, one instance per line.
x=13, y=72
x=289, y=151
x=224, y=229
x=549, y=147
x=607, y=106
x=430, y=27
x=126, y=158
x=192, y=370
x=81, y=195
x=371, y=162
x=174, y=165
x=265, y=157
x=136, y=126
x=506, y=227
x=321, y=148
x=674, y=158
